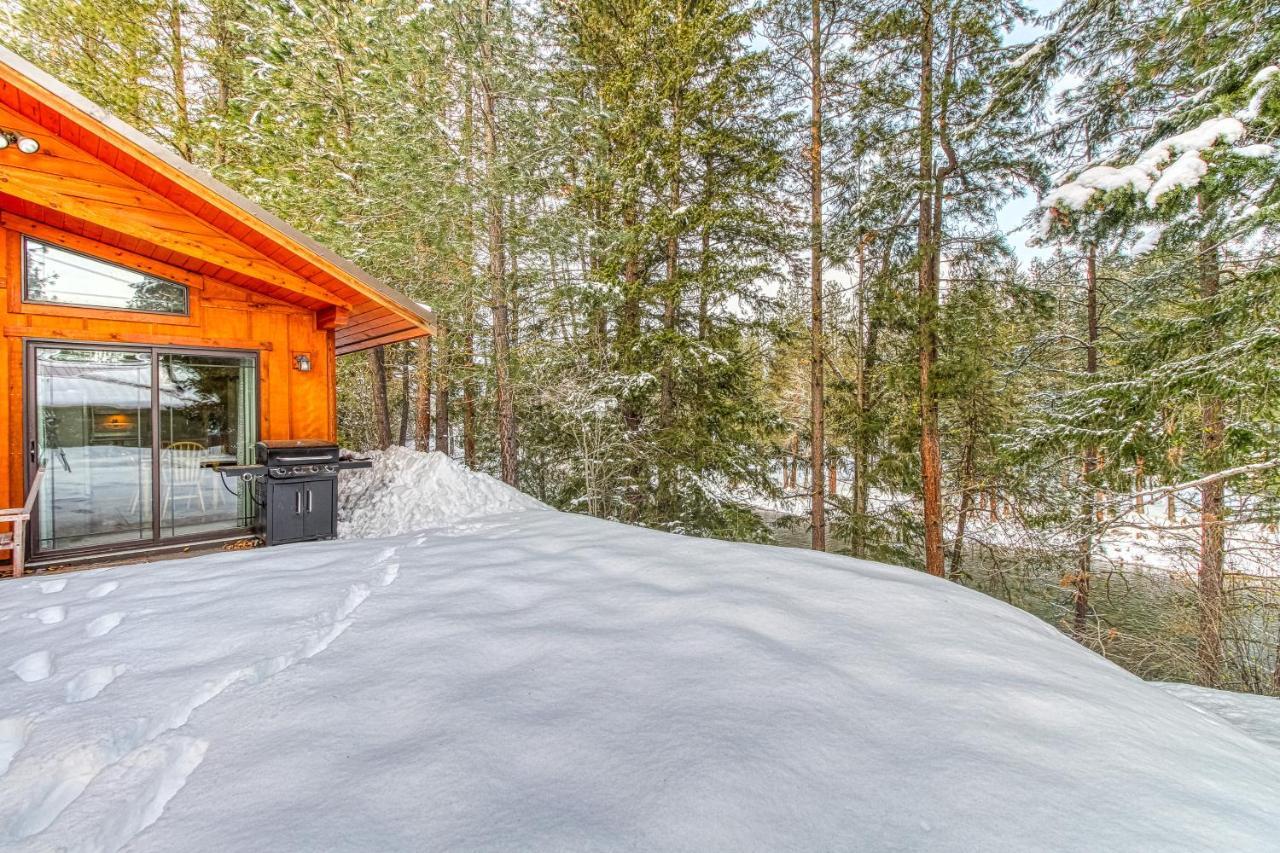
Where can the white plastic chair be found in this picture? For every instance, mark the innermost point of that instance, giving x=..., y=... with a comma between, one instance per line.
x=183, y=481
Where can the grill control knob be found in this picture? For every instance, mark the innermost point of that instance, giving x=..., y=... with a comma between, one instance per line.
x=313, y=469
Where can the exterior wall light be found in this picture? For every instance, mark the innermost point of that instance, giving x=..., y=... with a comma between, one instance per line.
x=25, y=144
x=302, y=361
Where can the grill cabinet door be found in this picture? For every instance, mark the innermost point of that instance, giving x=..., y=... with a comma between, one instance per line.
x=319, y=506
x=288, y=512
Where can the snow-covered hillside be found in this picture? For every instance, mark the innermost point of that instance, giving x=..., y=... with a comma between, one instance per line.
x=530, y=680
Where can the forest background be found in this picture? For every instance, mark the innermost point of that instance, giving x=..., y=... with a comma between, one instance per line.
x=747, y=270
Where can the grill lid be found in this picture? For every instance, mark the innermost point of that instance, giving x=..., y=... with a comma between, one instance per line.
x=296, y=444
x=296, y=452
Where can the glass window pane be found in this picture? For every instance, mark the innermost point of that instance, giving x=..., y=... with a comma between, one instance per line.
x=93, y=430
x=207, y=418
x=68, y=278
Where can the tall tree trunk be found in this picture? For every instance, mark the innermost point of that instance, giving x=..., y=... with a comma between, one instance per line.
x=422, y=403
x=377, y=361
x=1088, y=509
x=469, y=400
x=817, y=425
x=442, y=390
x=1212, y=524
x=927, y=309
x=865, y=353
x=704, y=258
x=1275, y=670
x=629, y=320
x=967, y=489
x=469, y=307
x=497, y=262
x=225, y=55
x=671, y=302
x=178, y=68
x=406, y=386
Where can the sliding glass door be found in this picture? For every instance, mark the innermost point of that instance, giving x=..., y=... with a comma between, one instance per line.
x=131, y=438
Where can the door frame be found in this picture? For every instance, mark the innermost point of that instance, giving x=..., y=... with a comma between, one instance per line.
x=30, y=438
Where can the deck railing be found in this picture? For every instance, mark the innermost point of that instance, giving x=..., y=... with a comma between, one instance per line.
x=19, y=518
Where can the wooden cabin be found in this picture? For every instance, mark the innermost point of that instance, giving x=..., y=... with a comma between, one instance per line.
x=150, y=314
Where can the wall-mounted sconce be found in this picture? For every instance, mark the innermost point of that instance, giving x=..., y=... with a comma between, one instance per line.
x=25, y=144
x=302, y=361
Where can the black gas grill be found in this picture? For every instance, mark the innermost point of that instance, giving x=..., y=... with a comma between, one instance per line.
x=298, y=499
x=295, y=485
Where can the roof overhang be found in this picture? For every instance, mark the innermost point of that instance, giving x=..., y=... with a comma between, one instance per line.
x=362, y=311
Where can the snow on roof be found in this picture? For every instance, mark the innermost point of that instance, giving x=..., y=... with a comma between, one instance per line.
x=534, y=680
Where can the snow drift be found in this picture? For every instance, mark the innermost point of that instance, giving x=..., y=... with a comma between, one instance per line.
x=406, y=491
x=543, y=681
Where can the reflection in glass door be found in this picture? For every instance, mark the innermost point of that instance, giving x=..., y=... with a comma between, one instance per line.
x=93, y=433
x=131, y=440
x=206, y=419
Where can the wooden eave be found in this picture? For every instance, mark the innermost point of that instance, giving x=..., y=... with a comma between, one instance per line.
x=275, y=259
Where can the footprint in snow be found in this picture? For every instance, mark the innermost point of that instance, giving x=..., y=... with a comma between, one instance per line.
x=13, y=737
x=49, y=615
x=389, y=574
x=55, y=585
x=103, y=625
x=36, y=666
x=91, y=682
x=104, y=588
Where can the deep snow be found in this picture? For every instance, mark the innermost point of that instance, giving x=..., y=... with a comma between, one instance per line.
x=532, y=680
x=407, y=491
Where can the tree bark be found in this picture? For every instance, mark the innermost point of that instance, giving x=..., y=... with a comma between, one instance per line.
x=865, y=352
x=499, y=306
x=178, y=68
x=1088, y=509
x=442, y=391
x=671, y=300
x=377, y=361
x=469, y=307
x=406, y=387
x=629, y=320
x=422, y=404
x=967, y=488
x=1212, y=525
x=927, y=309
x=817, y=425
x=704, y=259
x=469, y=400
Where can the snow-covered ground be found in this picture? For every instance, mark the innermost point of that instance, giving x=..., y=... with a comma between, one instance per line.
x=1136, y=541
x=1257, y=715
x=524, y=679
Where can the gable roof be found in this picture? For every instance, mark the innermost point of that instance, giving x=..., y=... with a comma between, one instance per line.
x=282, y=262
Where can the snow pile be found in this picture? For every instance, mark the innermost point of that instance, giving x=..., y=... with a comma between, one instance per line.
x=1257, y=715
x=406, y=491
x=543, y=681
